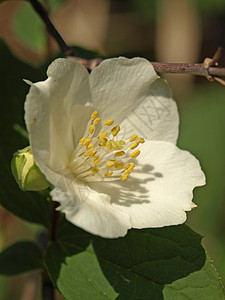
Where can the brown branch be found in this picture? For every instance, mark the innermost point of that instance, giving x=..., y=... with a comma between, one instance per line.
x=209, y=68
x=210, y=72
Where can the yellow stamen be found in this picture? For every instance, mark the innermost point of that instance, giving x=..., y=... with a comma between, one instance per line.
x=128, y=165
x=90, y=146
x=123, y=177
x=102, y=142
x=93, y=152
x=132, y=164
x=119, y=165
x=90, y=153
x=129, y=170
x=96, y=121
x=96, y=161
x=102, y=135
x=91, y=129
x=135, y=153
x=109, y=122
x=115, y=130
x=108, y=173
x=94, y=171
x=120, y=153
x=94, y=115
x=81, y=142
x=112, y=154
x=134, y=145
x=87, y=141
x=110, y=163
x=140, y=140
x=133, y=138
x=115, y=145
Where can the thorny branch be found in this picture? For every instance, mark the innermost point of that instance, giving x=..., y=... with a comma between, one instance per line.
x=209, y=68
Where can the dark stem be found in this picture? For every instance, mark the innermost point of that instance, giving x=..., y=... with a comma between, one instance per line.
x=67, y=51
x=48, y=290
x=55, y=217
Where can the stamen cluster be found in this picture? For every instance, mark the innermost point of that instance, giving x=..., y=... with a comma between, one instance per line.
x=100, y=155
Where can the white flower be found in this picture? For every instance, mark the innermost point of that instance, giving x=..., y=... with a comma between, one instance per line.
x=102, y=185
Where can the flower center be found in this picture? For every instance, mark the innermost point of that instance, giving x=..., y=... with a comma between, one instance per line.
x=101, y=156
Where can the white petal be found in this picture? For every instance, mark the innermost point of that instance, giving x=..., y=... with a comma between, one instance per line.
x=160, y=189
x=130, y=89
x=90, y=210
x=50, y=110
x=154, y=118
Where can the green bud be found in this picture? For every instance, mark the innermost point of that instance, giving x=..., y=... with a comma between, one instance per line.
x=26, y=172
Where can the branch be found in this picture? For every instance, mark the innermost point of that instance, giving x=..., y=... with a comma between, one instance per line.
x=40, y=10
x=200, y=69
x=209, y=68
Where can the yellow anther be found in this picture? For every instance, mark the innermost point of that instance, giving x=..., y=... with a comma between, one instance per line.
x=123, y=177
x=94, y=170
x=108, y=173
x=126, y=166
x=109, y=122
x=81, y=142
x=90, y=153
x=134, y=145
x=132, y=164
x=129, y=170
x=93, y=152
x=96, y=161
x=91, y=129
x=87, y=153
x=120, y=153
x=129, y=165
x=87, y=141
x=94, y=115
x=90, y=146
x=115, y=130
x=110, y=163
x=140, y=140
x=102, y=142
x=96, y=121
x=115, y=145
x=102, y=135
x=135, y=153
x=119, y=165
x=133, y=138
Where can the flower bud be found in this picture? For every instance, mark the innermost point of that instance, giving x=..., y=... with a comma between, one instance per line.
x=26, y=172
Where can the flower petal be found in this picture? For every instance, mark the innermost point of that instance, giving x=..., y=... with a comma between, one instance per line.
x=155, y=118
x=130, y=90
x=90, y=210
x=159, y=191
x=50, y=110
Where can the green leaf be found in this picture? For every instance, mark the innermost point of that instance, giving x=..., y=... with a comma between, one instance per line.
x=27, y=205
x=19, y=258
x=73, y=266
x=29, y=28
x=163, y=263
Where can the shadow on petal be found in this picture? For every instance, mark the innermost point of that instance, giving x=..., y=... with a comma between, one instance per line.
x=131, y=191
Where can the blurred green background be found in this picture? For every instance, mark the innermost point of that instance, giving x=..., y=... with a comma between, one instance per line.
x=159, y=30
